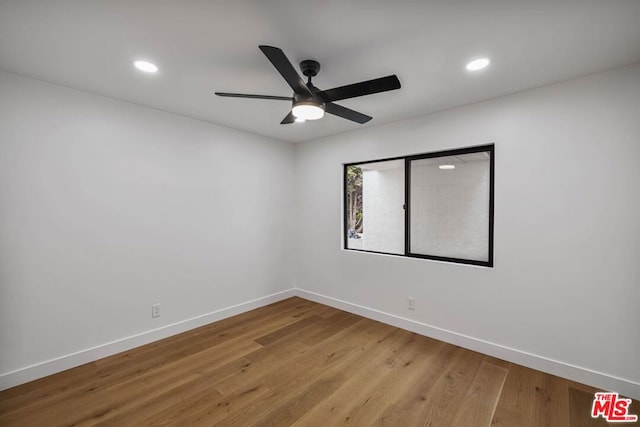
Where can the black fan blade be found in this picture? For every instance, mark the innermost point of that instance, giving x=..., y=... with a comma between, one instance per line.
x=243, y=95
x=346, y=113
x=289, y=119
x=286, y=70
x=368, y=87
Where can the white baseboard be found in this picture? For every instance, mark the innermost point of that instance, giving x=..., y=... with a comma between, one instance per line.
x=39, y=370
x=540, y=363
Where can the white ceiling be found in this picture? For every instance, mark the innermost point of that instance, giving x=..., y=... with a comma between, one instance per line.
x=206, y=46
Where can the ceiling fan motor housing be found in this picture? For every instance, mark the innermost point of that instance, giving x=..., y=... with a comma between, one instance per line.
x=312, y=107
x=309, y=68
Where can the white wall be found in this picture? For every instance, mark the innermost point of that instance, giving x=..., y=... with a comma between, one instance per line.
x=566, y=282
x=107, y=208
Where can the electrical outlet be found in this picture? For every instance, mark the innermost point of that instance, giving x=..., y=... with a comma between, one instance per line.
x=155, y=310
x=411, y=303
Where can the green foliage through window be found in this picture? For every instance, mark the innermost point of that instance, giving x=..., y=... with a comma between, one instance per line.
x=354, y=198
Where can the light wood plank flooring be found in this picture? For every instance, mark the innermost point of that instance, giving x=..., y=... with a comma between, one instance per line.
x=304, y=364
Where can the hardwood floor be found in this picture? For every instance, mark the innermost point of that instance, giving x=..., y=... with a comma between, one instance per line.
x=304, y=364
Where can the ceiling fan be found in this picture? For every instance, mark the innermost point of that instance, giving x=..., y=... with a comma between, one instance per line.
x=309, y=102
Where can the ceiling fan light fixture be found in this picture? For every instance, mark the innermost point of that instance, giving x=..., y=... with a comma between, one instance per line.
x=308, y=110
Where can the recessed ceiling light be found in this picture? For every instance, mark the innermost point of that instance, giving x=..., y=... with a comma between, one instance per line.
x=478, y=64
x=446, y=167
x=146, y=66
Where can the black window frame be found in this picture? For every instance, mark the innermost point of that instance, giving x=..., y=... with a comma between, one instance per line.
x=407, y=204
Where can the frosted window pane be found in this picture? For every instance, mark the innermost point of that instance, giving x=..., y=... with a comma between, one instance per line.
x=449, y=208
